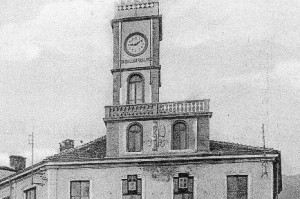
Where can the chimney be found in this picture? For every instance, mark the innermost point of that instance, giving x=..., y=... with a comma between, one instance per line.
x=66, y=144
x=17, y=163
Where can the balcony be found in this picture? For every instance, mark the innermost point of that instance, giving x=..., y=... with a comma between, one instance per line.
x=157, y=110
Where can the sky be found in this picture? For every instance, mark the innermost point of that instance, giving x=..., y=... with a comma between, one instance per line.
x=56, y=57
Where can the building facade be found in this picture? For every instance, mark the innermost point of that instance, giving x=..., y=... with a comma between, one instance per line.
x=152, y=149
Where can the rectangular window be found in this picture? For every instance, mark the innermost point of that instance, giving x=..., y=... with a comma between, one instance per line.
x=80, y=190
x=30, y=193
x=183, y=186
x=132, y=187
x=237, y=187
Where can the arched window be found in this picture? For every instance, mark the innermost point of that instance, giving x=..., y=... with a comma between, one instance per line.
x=135, y=89
x=135, y=138
x=179, y=136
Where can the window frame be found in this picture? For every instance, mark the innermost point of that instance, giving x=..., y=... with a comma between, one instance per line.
x=138, y=191
x=29, y=190
x=128, y=88
x=187, y=148
x=80, y=181
x=182, y=191
x=239, y=175
x=127, y=138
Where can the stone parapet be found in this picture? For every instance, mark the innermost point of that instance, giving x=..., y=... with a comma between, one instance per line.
x=153, y=110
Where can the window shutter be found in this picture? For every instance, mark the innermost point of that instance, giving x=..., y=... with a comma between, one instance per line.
x=124, y=187
x=175, y=182
x=85, y=189
x=242, y=187
x=191, y=185
x=139, y=187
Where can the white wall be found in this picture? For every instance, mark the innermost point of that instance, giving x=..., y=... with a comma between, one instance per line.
x=18, y=187
x=210, y=180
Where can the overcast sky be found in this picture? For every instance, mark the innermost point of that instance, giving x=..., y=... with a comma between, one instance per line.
x=56, y=57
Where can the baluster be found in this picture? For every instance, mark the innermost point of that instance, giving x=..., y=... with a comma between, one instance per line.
x=119, y=111
x=163, y=108
x=135, y=111
x=202, y=106
x=127, y=111
x=140, y=109
x=113, y=112
x=146, y=109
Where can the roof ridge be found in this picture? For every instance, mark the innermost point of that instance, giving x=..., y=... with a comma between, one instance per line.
x=242, y=145
x=7, y=168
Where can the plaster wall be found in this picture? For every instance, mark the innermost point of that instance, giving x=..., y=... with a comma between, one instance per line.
x=16, y=189
x=154, y=142
x=210, y=180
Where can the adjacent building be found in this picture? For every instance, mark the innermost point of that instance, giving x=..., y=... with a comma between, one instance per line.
x=152, y=149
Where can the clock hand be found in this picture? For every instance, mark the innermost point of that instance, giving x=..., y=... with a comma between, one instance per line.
x=135, y=43
x=138, y=42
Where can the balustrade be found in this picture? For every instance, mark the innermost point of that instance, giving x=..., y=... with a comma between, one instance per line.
x=157, y=109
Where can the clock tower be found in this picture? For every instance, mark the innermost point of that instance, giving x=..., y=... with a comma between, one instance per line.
x=137, y=123
x=137, y=30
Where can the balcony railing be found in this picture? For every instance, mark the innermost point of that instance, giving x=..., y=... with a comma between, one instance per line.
x=157, y=109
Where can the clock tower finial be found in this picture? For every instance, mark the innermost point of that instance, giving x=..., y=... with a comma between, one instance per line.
x=136, y=69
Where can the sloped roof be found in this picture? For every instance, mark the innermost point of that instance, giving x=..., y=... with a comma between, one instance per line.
x=96, y=150
x=237, y=149
x=4, y=168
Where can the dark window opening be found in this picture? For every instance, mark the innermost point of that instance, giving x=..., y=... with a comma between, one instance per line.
x=135, y=138
x=136, y=89
x=179, y=136
x=237, y=187
x=30, y=193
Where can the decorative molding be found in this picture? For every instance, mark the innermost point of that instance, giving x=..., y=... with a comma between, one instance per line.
x=158, y=139
x=133, y=69
x=136, y=18
x=135, y=6
x=184, y=108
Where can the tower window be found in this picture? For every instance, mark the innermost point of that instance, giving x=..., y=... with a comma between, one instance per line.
x=135, y=89
x=183, y=186
x=135, y=138
x=179, y=136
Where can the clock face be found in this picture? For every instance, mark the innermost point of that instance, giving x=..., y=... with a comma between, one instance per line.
x=135, y=44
